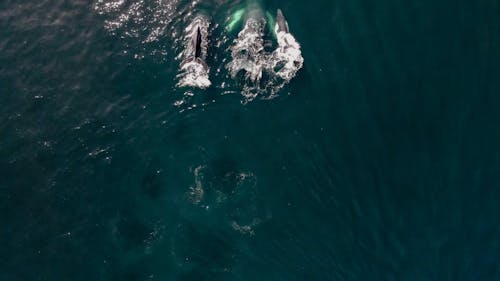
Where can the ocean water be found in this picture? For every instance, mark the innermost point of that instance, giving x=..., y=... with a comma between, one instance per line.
x=379, y=160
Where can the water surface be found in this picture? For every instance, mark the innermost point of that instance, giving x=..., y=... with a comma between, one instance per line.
x=378, y=161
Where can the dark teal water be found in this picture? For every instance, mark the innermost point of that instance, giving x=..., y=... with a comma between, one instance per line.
x=380, y=160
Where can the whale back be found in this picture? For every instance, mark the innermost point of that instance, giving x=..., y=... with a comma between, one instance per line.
x=281, y=22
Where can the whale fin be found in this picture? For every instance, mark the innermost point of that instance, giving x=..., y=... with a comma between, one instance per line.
x=196, y=47
x=197, y=43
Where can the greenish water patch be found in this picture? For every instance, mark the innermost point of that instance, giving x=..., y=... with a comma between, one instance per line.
x=235, y=19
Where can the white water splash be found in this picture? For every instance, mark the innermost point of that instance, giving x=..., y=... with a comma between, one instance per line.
x=247, y=51
x=287, y=55
x=194, y=74
x=265, y=74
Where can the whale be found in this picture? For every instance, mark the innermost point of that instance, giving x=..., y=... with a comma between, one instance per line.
x=196, y=50
x=194, y=71
x=281, y=23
